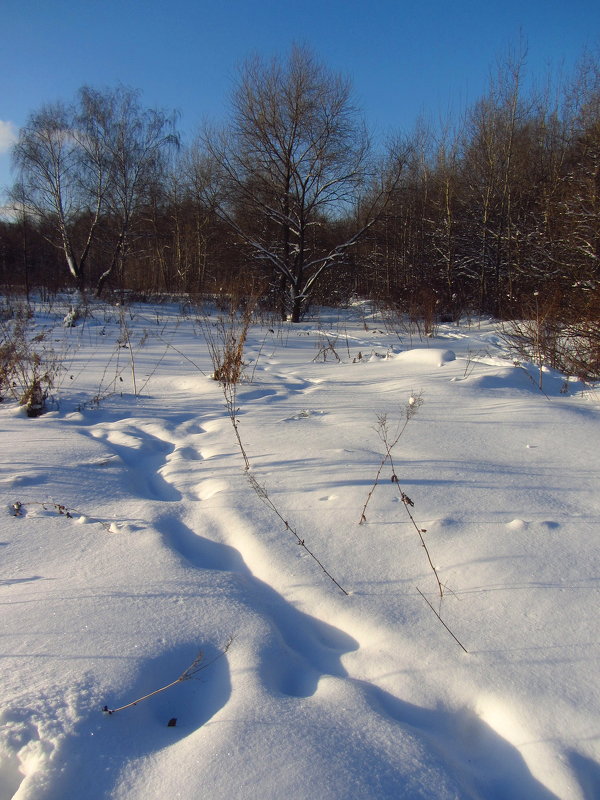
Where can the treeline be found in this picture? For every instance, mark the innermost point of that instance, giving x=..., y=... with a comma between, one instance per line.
x=503, y=214
x=288, y=200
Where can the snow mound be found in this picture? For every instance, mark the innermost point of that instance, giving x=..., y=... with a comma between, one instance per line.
x=527, y=377
x=427, y=356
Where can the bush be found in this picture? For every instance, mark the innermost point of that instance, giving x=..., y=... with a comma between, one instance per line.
x=26, y=373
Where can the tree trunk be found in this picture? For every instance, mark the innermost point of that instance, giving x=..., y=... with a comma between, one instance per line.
x=297, y=309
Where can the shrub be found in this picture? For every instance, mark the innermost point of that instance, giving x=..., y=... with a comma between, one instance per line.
x=28, y=368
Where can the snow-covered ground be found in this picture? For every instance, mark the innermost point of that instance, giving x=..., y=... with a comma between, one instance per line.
x=166, y=547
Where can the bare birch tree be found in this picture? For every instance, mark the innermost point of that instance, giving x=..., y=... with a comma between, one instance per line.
x=88, y=165
x=52, y=186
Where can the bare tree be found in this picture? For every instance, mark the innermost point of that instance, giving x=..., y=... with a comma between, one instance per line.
x=294, y=157
x=492, y=172
x=52, y=187
x=135, y=142
x=580, y=205
x=87, y=166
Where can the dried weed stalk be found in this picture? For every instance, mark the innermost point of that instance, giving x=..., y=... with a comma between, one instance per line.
x=564, y=337
x=19, y=509
x=197, y=665
x=437, y=614
x=226, y=343
x=262, y=493
x=389, y=440
x=326, y=345
x=28, y=365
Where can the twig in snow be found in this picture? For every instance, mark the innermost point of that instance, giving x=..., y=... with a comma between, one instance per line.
x=262, y=493
x=19, y=509
x=441, y=620
x=414, y=403
x=194, y=668
x=227, y=355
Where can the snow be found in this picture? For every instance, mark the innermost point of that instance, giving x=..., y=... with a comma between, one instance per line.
x=140, y=541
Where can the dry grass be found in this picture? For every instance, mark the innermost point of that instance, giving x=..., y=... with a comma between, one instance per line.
x=28, y=366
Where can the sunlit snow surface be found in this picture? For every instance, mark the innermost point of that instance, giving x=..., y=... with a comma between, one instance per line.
x=169, y=549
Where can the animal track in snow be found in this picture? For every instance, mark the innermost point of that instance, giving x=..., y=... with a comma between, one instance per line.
x=248, y=395
x=295, y=649
x=144, y=454
x=298, y=649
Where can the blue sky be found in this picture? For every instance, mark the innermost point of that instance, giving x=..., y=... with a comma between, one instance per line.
x=405, y=57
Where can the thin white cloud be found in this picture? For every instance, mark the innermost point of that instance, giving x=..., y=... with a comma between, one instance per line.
x=8, y=135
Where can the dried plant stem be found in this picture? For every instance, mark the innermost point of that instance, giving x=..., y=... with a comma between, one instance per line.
x=154, y=370
x=408, y=504
x=19, y=509
x=264, y=496
x=227, y=355
x=126, y=339
x=230, y=393
x=132, y=360
x=196, y=666
x=145, y=697
x=414, y=403
x=182, y=354
x=256, y=360
x=382, y=424
x=441, y=620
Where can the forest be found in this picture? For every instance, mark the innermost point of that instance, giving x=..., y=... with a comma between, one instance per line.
x=290, y=200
